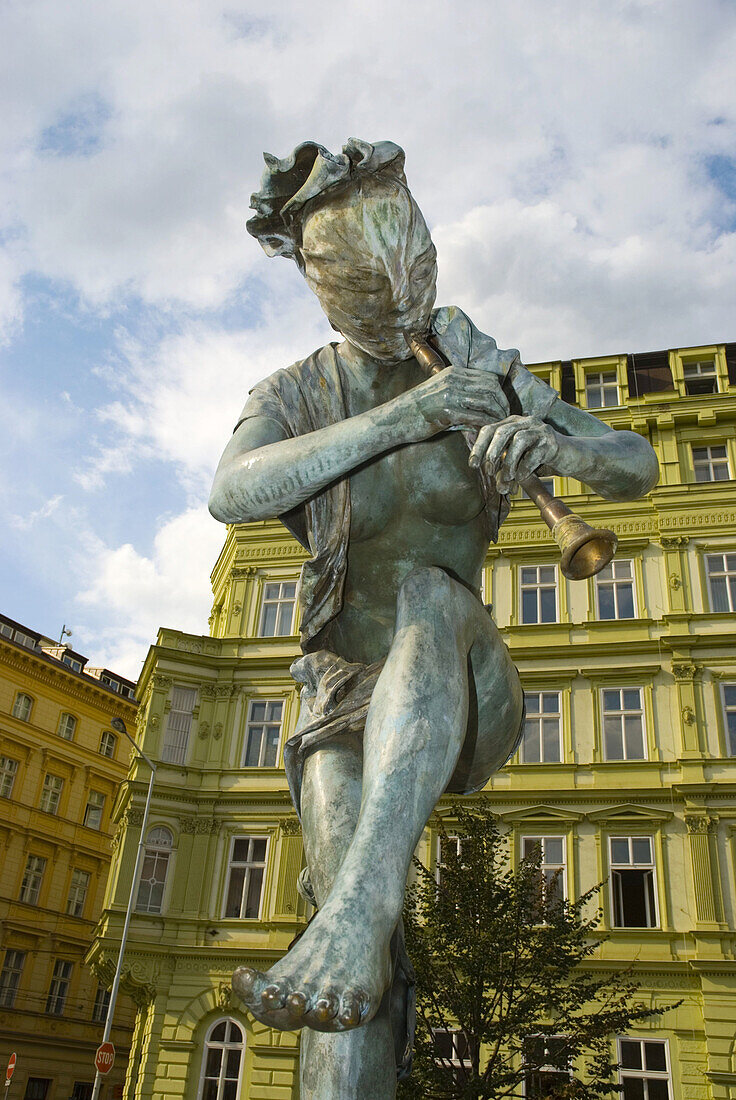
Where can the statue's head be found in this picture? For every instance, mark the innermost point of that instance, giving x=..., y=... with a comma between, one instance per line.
x=358, y=237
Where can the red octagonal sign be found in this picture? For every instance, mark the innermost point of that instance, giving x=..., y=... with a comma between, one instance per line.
x=105, y=1057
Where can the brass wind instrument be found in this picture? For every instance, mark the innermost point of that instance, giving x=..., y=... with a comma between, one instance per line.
x=585, y=549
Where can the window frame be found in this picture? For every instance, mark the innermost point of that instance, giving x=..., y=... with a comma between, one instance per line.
x=614, y=583
x=621, y=713
x=687, y=365
x=73, y=894
x=546, y=1067
x=256, y=701
x=54, y=790
x=643, y=1074
x=25, y=717
x=8, y=987
x=113, y=741
x=65, y=714
x=602, y=386
x=175, y=750
x=710, y=462
x=101, y=1004
x=455, y=1062
x=630, y=837
x=439, y=863
x=56, y=998
x=154, y=850
x=278, y=601
x=8, y=776
x=725, y=710
x=540, y=718
x=224, y=1046
x=731, y=593
x=263, y=835
x=38, y=873
x=89, y=805
x=538, y=586
x=548, y=869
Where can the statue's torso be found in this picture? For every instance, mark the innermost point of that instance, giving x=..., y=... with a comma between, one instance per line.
x=420, y=504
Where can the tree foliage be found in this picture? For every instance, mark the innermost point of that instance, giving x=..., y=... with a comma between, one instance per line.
x=500, y=957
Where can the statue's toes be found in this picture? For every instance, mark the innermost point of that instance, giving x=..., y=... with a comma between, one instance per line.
x=245, y=982
x=274, y=996
x=325, y=1008
x=297, y=1004
x=352, y=1006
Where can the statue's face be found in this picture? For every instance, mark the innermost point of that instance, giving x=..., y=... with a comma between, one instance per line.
x=369, y=258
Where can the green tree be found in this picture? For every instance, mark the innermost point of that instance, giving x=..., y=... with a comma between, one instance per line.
x=504, y=960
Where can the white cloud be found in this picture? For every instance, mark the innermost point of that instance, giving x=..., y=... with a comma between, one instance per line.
x=130, y=595
x=25, y=523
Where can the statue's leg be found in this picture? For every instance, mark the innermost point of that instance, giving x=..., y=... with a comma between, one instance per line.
x=335, y=977
x=357, y=1064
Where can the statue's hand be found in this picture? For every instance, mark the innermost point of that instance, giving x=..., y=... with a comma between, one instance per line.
x=514, y=448
x=457, y=397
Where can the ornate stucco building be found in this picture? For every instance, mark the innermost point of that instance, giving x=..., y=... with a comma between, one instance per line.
x=626, y=774
x=61, y=765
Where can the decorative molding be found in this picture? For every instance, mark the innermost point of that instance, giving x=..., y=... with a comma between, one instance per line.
x=225, y=996
x=684, y=670
x=207, y=691
x=688, y=716
x=217, y=731
x=203, y=729
x=161, y=681
x=673, y=542
x=700, y=823
x=198, y=826
x=187, y=646
x=245, y=571
x=290, y=826
x=675, y=581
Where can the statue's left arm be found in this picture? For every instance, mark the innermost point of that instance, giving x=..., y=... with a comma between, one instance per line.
x=562, y=439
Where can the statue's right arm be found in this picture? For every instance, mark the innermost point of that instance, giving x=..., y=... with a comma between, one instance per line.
x=263, y=473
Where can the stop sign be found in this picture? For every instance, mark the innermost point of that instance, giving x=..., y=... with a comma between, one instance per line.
x=11, y=1068
x=104, y=1058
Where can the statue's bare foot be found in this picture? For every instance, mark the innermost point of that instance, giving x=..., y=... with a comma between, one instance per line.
x=333, y=979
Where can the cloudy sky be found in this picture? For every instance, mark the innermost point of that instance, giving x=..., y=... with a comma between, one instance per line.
x=575, y=160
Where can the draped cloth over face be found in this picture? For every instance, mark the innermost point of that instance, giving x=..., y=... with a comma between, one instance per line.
x=303, y=398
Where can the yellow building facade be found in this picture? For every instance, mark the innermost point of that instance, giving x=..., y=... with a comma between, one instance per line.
x=625, y=776
x=61, y=765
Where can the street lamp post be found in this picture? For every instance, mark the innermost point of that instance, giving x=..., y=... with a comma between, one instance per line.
x=119, y=725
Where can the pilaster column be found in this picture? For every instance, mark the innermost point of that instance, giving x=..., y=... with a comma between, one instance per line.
x=290, y=864
x=706, y=874
x=676, y=573
x=684, y=671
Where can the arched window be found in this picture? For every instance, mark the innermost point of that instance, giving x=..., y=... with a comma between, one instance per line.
x=222, y=1062
x=22, y=706
x=67, y=726
x=159, y=843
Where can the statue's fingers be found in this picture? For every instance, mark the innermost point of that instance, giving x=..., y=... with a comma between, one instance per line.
x=504, y=433
x=531, y=461
x=522, y=442
x=477, y=454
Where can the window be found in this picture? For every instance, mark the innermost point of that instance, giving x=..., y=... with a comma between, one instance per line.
x=37, y=1088
x=82, y=1090
x=263, y=733
x=108, y=741
x=729, y=712
x=623, y=724
x=632, y=882
x=601, y=389
x=59, y=987
x=614, y=590
x=721, y=570
x=72, y=662
x=77, y=892
x=542, y=741
x=25, y=639
x=10, y=976
x=100, y=1007
x=159, y=844
x=644, y=1071
x=549, y=1063
x=538, y=588
x=32, y=878
x=245, y=879
x=51, y=793
x=446, y=845
x=277, y=612
x=8, y=770
x=711, y=463
x=178, y=724
x=552, y=866
x=93, y=810
x=22, y=706
x=700, y=378
x=453, y=1049
x=221, y=1062
x=6, y=630
x=67, y=726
